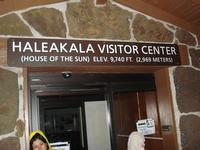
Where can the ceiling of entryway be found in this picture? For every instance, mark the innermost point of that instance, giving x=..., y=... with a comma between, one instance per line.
x=83, y=82
x=183, y=13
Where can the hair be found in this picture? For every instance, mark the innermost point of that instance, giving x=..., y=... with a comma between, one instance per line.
x=40, y=137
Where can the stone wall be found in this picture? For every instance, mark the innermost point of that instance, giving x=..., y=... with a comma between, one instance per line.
x=11, y=108
x=186, y=85
x=73, y=19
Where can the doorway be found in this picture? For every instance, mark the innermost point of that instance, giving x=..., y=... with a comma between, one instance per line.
x=72, y=119
x=59, y=102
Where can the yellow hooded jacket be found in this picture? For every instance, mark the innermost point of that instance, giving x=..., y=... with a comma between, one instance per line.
x=42, y=134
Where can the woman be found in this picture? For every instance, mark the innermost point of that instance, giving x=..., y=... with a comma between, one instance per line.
x=38, y=141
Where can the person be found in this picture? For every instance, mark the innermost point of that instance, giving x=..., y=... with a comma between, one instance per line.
x=38, y=141
x=136, y=141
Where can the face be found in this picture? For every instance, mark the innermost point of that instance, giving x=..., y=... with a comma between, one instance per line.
x=39, y=145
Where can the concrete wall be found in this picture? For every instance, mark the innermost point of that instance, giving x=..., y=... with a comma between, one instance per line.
x=82, y=19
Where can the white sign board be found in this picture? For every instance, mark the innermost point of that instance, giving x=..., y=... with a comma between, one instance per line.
x=60, y=146
x=146, y=126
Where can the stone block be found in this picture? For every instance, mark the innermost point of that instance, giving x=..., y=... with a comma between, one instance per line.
x=11, y=143
x=150, y=30
x=195, y=57
x=20, y=127
x=185, y=37
x=13, y=25
x=187, y=84
x=9, y=101
x=47, y=21
x=87, y=21
x=190, y=132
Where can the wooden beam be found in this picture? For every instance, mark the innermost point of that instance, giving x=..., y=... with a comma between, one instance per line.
x=196, y=2
x=184, y=54
x=166, y=111
x=101, y=2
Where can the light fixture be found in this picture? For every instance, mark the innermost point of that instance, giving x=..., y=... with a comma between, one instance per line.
x=66, y=75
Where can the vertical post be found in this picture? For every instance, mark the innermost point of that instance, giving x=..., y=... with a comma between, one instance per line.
x=166, y=111
x=26, y=107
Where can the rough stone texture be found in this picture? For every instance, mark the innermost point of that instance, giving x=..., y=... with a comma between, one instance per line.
x=3, y=47
x=172, y=27
x=190, y=132
x=195, y=56
x=87, y=21
x=149, y=30
x=3, y=51
x=11, y=143
x=3, y=60
x=20, y=127
x=187, y=84
x=9, y=97
x=185, y=37
x=47, y=21
x=12, y=25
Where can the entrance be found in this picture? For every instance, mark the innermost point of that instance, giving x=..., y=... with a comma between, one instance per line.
x=80, y=120
x=89, y=110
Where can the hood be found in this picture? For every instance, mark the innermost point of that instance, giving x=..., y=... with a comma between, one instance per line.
x=42, y=134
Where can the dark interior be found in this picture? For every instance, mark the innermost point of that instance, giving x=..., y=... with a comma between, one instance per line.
x=62, y=95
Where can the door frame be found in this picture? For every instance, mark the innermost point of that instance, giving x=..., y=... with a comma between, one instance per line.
x=163, y=89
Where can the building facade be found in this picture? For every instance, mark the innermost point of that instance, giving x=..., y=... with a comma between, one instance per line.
x=87, y=21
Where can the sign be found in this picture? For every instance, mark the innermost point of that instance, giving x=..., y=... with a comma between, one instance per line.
x=60, y=146
x=33, y=52
x=146, y=126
